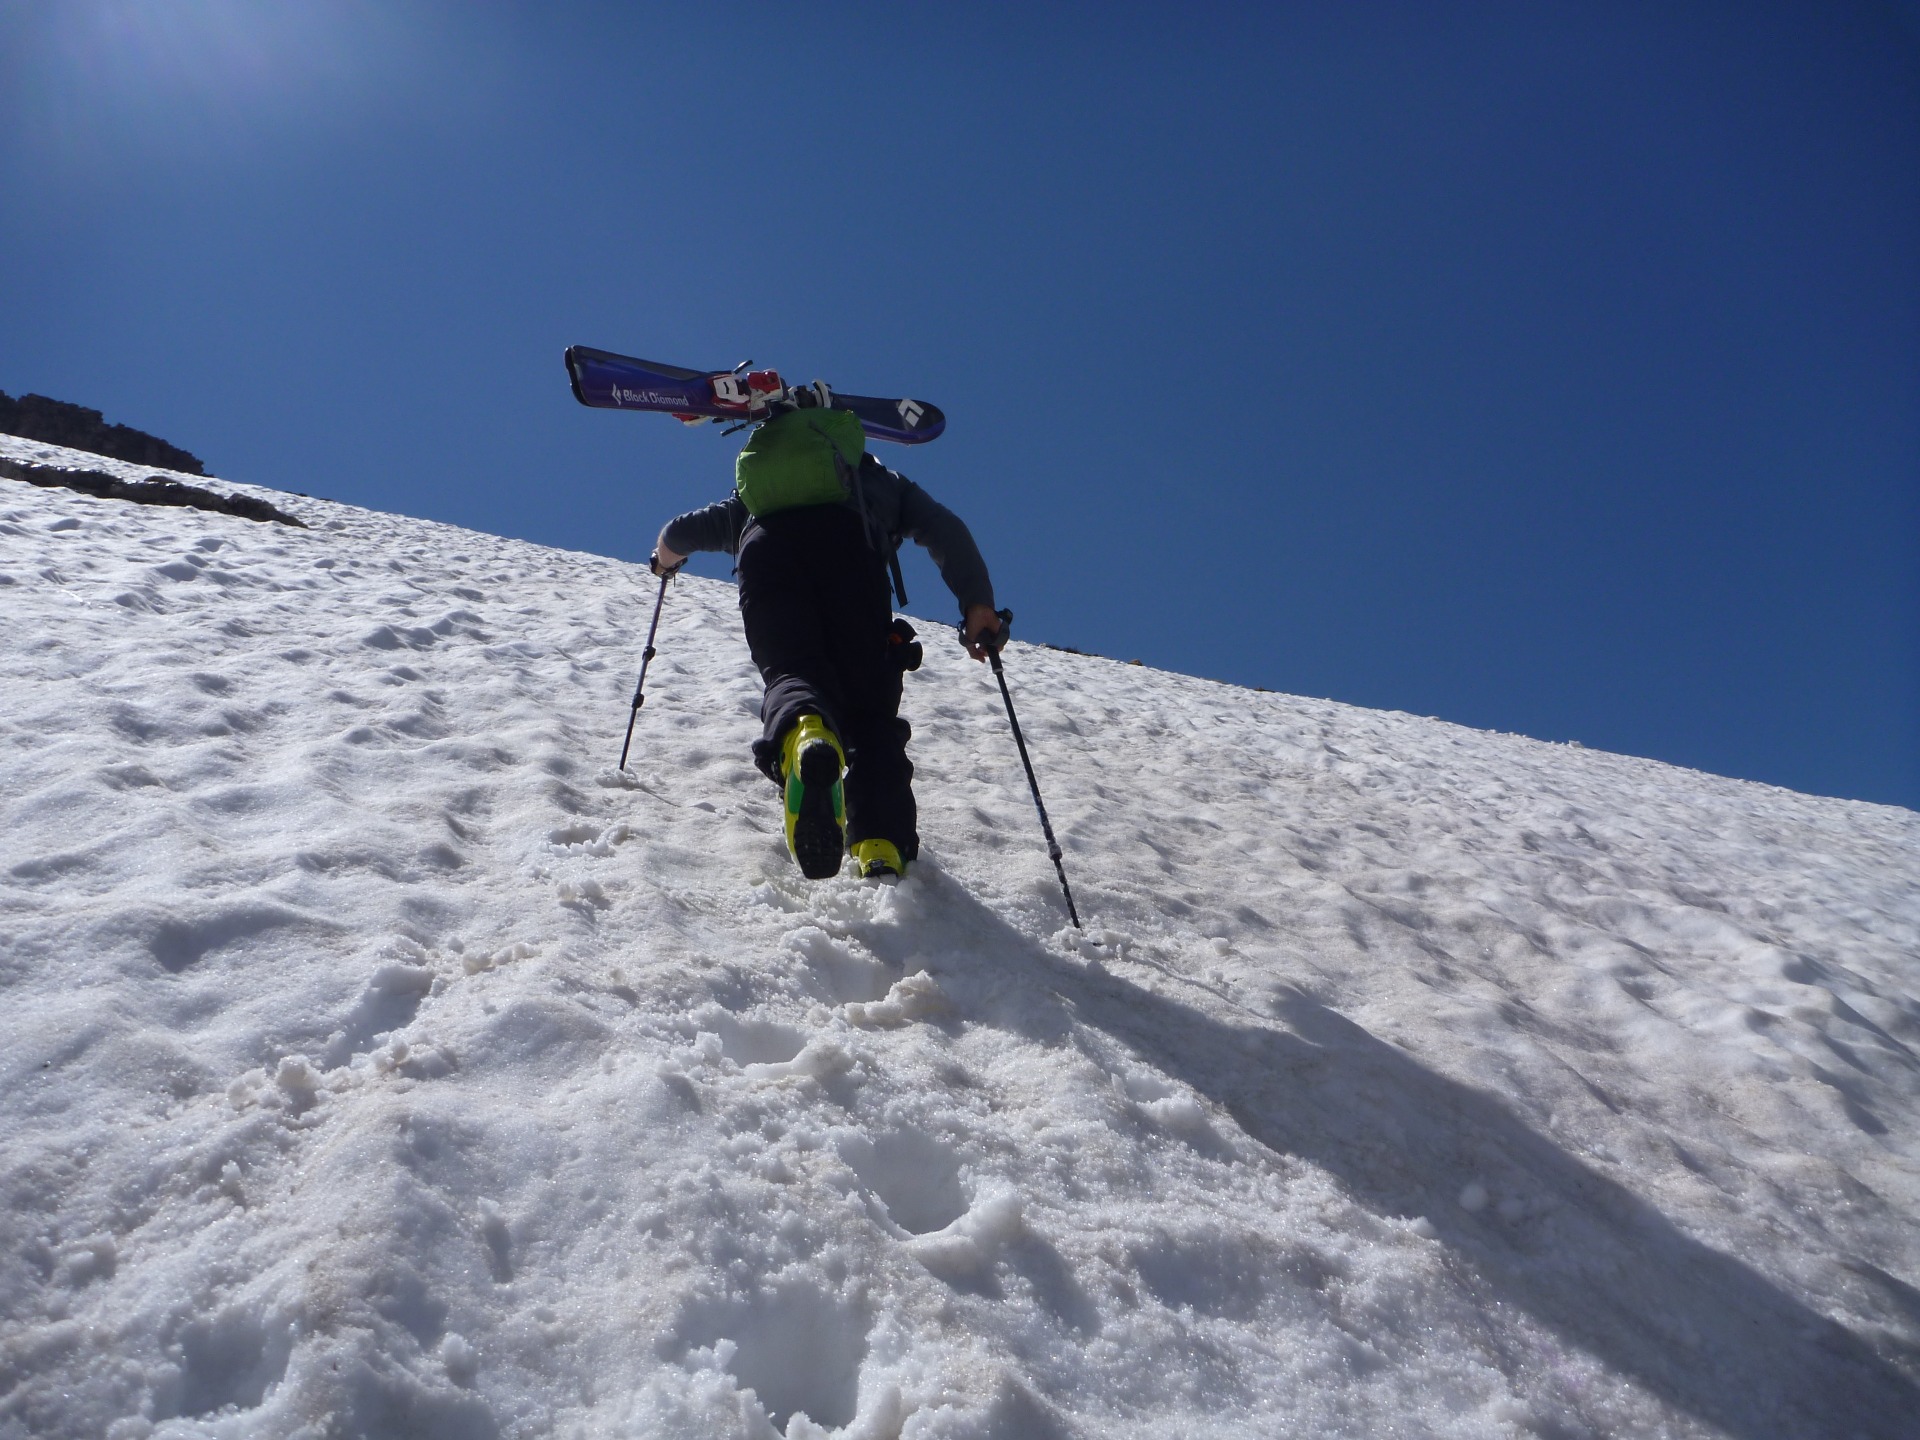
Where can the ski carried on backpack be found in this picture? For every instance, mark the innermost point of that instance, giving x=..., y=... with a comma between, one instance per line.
x=607, y=381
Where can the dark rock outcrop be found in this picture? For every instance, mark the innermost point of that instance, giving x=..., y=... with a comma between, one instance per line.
x=55, y=422
x=154, y=490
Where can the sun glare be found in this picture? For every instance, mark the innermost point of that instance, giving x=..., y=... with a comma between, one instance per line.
x=196, y=78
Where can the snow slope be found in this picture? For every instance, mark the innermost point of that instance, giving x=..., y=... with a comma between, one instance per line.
x=379, y=1061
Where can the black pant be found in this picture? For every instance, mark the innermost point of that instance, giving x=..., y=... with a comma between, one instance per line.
x=818, y=610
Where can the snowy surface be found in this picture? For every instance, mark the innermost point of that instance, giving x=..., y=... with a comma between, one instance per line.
x=379, y=1061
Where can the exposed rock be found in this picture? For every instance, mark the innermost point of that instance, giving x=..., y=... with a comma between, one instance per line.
x=154, y=490
x=55, y=422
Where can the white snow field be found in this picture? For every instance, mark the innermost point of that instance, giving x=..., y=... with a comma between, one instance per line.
x=378, y=1060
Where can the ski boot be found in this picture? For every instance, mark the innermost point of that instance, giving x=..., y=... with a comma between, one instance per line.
x=812, y=762
x=878, y=859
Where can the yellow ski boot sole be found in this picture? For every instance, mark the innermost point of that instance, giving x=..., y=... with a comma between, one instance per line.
x=812, y=762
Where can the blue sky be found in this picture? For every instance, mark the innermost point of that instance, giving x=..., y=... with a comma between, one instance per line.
x=1546, y=367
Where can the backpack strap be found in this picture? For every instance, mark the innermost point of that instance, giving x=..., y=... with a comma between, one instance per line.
x=850, y=477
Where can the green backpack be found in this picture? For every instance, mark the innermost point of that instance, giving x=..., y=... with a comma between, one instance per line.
x=799, y=457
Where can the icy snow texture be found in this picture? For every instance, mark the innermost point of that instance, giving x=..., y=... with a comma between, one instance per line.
x=378, y=1061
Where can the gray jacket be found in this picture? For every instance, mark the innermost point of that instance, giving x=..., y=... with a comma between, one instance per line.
x=896, y=510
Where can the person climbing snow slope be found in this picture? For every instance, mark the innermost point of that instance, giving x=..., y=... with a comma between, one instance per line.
x=813, y=526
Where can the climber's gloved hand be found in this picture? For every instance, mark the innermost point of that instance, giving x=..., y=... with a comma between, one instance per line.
x=664, y=562
x=984, y=630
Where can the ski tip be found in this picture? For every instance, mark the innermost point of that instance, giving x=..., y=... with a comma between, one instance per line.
x=573, y=374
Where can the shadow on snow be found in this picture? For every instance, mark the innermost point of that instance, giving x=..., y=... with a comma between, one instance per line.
x=1582, y=1254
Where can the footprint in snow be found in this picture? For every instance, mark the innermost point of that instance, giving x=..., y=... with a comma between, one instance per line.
x=916, y=1190
x=761, y=1051
x=389, y=1002
x=796, y=1348
x=752, y=1042
x=584, y=837
x=834, y=970
x=912, y=1180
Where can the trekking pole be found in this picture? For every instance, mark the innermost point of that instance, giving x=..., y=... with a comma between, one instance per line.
x=1046, y=825
x=646, y=659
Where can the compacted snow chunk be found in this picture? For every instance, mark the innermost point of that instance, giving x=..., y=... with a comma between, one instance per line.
x=380, y=1061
